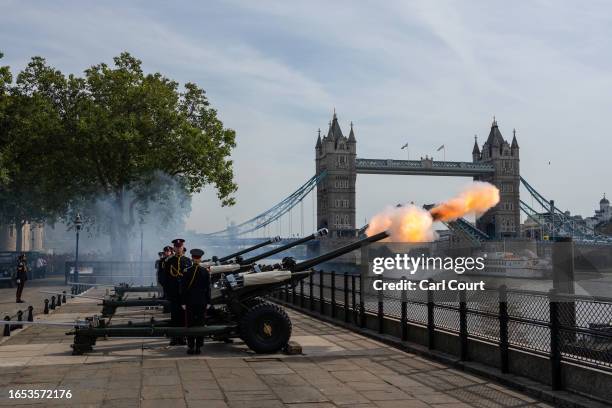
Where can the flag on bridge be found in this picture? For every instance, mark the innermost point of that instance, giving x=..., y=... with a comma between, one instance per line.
x=404, y=146
x=440, y=148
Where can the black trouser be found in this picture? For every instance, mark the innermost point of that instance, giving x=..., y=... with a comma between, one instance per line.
x=177, y=315
x=20, y=286
x=195, y=317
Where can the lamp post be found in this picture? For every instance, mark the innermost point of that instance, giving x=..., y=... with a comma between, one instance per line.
x=141, y=260
x=78, y=223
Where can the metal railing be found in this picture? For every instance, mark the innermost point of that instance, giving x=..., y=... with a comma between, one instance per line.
x=111, y=272
x=560, y=327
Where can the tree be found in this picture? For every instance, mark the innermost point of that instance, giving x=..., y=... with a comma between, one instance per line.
x=121, y=129
x=5, y=80
x=28, y=123
x=110, y=136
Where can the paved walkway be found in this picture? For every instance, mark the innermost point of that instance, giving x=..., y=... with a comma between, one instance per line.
x=338, y=368
x=31, y=295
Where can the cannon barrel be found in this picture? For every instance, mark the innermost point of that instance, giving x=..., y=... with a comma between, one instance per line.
x=319, y=233
x=302, y=266
x=249, y=249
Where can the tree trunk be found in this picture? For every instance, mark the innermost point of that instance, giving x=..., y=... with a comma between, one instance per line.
x=119, y=240
x=119, y=231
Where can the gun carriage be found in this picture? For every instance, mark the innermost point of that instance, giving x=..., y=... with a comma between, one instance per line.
x=240, y=310
x=217, y=269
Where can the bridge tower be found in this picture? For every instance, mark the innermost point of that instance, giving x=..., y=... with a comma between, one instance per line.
x=336, y=154
x=503, y=220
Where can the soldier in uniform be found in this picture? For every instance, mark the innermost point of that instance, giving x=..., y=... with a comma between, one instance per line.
x=159, y=268
x=195, y=296
x=160, y=265
x=174, y=267
x=21, y=276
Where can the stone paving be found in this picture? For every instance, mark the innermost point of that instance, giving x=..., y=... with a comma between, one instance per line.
x=338, y=368
x=31, y=295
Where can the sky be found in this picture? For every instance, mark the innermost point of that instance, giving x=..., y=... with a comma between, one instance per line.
x=419, y=72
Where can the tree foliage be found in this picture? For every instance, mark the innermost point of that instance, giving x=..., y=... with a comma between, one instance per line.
x=29, y=121
x=5, y=80
x=112, y=135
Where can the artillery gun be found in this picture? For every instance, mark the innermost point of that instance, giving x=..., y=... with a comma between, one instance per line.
x=229, y=257
x=248, y=264
x=121, y=289
x=110, y=304
x=240, y=311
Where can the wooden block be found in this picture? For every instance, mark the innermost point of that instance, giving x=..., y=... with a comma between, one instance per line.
x=293, y=348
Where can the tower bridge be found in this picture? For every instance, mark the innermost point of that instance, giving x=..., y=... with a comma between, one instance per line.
x=336, y=155
x=496, y=161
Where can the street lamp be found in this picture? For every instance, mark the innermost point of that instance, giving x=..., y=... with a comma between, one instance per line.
x=78, y=223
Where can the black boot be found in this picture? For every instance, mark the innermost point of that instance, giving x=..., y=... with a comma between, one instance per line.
x=190, y=350
x=174, y=341
x=197, y=350
x=181, y=341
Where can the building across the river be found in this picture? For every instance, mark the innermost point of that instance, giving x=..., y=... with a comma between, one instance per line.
x=603, y=215
x=601, y=221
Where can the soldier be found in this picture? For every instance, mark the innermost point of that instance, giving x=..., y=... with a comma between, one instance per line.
x=161, y=268
x=174, y=267
x=21, y=276
x=195, y=296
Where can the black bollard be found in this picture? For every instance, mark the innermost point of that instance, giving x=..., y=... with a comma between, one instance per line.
x=59, y=300
x=46, y=311
x=52, y=305
x=30, y=313
x=63, y=296
x=19, y=319
x=7, y=327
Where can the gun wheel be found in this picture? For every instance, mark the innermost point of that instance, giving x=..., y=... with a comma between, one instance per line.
x=265, y=328
x=251, y=303
x=82, y=344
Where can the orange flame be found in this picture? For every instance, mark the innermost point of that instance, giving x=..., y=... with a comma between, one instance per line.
x=476, y=199
x=403, y=224
x=414, y=224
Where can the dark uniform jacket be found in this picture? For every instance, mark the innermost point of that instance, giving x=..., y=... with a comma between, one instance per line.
x=174, y=267
x=161, y=271
x=22, y=271
x=195, y=286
